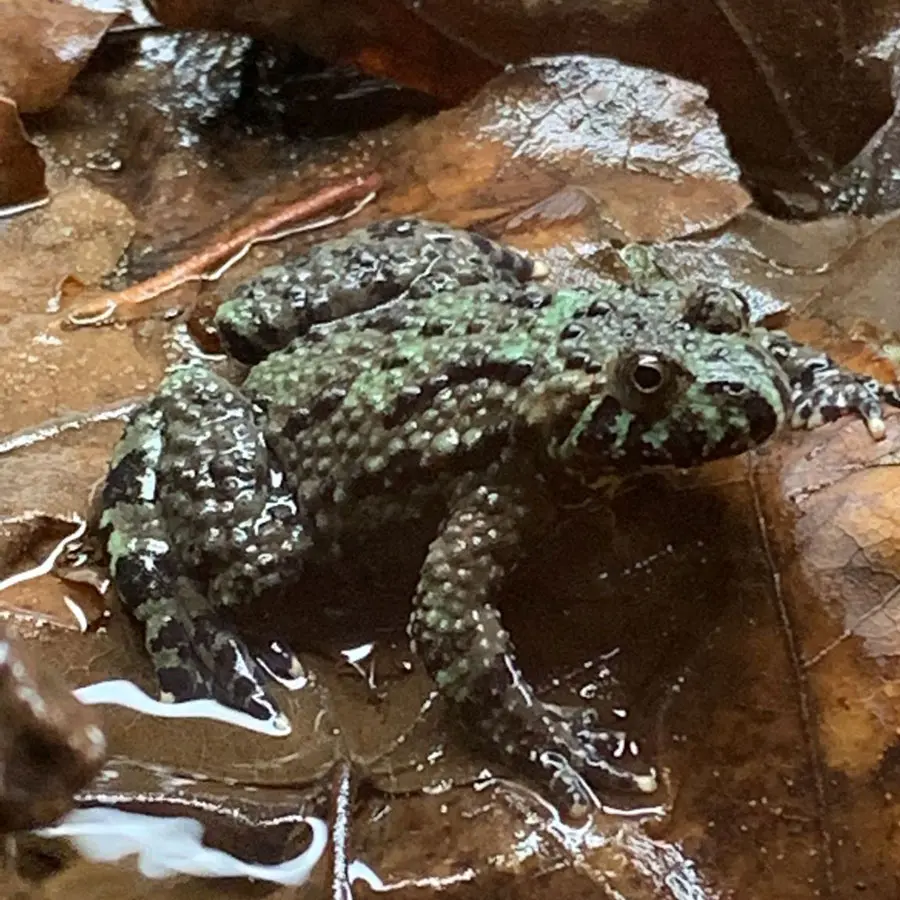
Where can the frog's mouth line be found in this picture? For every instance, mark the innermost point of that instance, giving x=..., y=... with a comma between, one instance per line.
x=723, y=426
x=760, y=419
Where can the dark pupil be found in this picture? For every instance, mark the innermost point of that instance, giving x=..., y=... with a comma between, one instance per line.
x=647, y=377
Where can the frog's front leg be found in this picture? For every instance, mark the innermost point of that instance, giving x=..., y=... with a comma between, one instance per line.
x=199, y=518
x=457, y=631
x=822, y=390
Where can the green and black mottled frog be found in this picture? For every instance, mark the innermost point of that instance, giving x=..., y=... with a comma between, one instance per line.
x=413, y=371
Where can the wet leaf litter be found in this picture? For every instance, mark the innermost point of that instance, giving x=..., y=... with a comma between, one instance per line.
x=749, y=575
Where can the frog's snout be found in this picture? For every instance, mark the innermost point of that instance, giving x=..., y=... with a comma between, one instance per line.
x=764, y=416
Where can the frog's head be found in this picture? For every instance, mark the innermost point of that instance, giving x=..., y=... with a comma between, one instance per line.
x=685, y=383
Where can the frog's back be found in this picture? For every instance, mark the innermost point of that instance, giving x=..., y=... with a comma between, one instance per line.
x=394, y=404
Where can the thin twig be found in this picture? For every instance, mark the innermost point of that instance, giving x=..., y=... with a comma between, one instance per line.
x=25, y=438
x=108, y=307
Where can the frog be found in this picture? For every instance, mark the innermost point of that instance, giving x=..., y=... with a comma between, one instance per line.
x=411, y=371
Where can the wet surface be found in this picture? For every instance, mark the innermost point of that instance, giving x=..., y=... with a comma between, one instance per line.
x=740, y=622
x=577, y=138
x=51, y=746
x=806, y=90
x=22, y=176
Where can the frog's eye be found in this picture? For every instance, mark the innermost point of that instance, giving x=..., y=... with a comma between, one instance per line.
x=647, y=374
x=717, y=310
x=646, y=381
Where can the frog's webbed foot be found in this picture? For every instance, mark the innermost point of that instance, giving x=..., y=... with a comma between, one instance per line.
x=198, y=521
x=466, y=650
x=566, y=748
x=823, y=391
x=197, y=657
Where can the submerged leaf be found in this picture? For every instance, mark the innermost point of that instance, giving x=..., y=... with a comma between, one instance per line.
x=22, y=182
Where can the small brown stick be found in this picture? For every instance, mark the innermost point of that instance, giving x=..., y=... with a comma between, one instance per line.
x=102, y=310
x=120, y=410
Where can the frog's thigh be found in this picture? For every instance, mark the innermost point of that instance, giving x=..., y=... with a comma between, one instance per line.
x=368, y=267
x=223, y=493
x=145, y=568
x=147, y=571
x=189, y=473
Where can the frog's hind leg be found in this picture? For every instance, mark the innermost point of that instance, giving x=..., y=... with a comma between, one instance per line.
x=366, y=268
x=198, y=521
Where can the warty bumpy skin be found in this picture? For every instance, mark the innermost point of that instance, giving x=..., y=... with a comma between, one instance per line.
x=413, y=371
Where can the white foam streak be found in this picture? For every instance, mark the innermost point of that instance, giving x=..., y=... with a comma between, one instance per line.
x=123, y=693
x=173, y=846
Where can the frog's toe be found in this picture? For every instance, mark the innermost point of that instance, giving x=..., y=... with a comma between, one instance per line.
x=281, y=663
x=876, y=426
x=612, y=760
x=603, y=757
x=866, y=399
x=237, y=678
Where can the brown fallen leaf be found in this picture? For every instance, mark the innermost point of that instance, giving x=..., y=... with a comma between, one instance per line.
x=143, y=299
x=82, y=231
x=50, y=744
x=636, y=153
x=22, y=182
x=861, y=280
x=831, y=507
x=842, y=570
x=43, y=46
x=796, y=84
